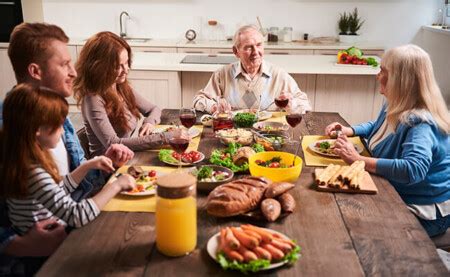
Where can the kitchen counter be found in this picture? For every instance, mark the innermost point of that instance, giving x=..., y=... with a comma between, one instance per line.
x=293, y=64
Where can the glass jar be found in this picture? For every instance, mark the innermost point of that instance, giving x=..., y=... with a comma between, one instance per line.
x=222, y=120
x=287, y=34
x=176, y=214
x=273, y=34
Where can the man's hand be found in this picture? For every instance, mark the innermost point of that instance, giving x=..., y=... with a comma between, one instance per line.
x=41, y=240
x=221, y=106
x=119, y=154
x=102, y=163
x=146, y=129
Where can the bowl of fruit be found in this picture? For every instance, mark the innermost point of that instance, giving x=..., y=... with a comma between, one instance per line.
x=277, y=166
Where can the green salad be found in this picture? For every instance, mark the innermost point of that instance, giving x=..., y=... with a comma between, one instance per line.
x=225, y=157
x=244, y=120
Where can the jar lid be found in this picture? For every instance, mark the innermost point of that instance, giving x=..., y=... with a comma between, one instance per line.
x=288, y=28
x=178, y=184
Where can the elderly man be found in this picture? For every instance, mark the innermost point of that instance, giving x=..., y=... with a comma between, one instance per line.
x=244, y=84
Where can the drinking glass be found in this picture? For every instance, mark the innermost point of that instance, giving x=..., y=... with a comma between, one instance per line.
x=179, y=143
x=293, y=117
x=188, y=117
x=281, y=101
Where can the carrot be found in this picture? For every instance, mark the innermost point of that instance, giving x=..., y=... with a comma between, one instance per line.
x=248, y=254
x=233, y=255
x=253, y=234
x=284, y=239
x=276, y=253
x=265, y=236
x=231, y=241
x=244, y=239
x=286, y=248
x=262, y=253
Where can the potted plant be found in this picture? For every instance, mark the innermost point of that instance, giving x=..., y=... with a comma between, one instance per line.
x=349, y=25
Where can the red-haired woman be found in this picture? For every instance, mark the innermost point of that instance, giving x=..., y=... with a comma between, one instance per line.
x=111, y=108
x=30, y=177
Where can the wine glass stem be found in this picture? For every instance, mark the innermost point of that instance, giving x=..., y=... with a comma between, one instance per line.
x=179, y=162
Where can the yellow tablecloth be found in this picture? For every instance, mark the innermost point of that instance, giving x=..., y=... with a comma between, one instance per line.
x=314, y=159
x=128, y=203
x=277, y=117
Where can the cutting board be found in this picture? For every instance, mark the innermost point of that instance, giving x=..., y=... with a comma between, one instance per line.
x=367, y=186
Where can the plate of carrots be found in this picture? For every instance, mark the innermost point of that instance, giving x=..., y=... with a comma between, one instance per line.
x=249, y=248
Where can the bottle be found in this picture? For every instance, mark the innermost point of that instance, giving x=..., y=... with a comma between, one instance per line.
x=176, y=214
x=287, y=34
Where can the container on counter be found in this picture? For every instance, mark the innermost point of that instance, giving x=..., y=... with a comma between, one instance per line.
x=273, y=34
x=176, y=214
x=287, y=34
x=222, y=120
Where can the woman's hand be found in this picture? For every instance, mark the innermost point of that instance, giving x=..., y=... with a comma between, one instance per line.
x=102, y=163
x=329, y=130
x=346, y=150
x=119, y=154
x=146, y=129
x=125, y=182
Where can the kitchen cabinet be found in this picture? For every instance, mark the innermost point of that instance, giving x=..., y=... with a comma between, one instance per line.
x=154, y=49
x=288, y=52
x=162, y=88
x=7, y=77
x=194, y=50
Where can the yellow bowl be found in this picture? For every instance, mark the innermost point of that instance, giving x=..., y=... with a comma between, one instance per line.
x=289, y=174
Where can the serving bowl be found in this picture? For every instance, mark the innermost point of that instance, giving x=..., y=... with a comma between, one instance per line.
x=271, y=141
x=241, y=136
x=289, y=174
x=209, y=186
x=271, y=127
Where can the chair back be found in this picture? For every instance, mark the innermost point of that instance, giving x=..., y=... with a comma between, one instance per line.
x=82, y=136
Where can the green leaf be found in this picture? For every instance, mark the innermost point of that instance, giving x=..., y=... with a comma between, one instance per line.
x=292, y=256
x=165, y=155
x=253, y=266
x=258, y=147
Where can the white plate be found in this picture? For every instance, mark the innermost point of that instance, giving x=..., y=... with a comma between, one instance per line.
x=202, y=157
x=263, y=115
x=213, y=245
x=357, y=65
x=313, y=148
x=193, y=132
x=146, y=192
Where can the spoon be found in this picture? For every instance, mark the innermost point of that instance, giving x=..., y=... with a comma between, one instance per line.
x=296, y=151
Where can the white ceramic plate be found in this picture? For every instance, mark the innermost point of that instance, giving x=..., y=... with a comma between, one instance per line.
x=213, y=245
x=315, y=149
x=263, y=115
x=202, y=157
x=193, y=132
x=150, y=191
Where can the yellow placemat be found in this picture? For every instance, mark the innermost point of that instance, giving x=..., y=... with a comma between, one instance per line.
x=277, y=117
x=193, y=144
x=127, y=203
x=314, y=159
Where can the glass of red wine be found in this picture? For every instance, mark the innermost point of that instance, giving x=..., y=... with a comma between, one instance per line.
x=281, y=101
x=180, y=142
x=294, y=117
x=188, y=117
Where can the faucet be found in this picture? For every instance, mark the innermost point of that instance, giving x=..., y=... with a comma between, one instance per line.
x=123, y=31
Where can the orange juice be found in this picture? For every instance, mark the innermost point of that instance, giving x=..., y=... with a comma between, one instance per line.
x=176, y=225
x=176, y=214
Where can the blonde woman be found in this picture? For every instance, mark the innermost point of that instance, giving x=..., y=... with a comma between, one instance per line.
x=409, y=140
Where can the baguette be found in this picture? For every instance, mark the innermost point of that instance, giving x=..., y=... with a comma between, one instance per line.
x=334, y=180
x=326, y=174
x=356, y=181
x=359, y=166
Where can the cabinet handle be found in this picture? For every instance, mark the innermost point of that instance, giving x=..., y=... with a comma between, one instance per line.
x=7, y=3
x=152, y=51
x=195, y=52
x=278, y=53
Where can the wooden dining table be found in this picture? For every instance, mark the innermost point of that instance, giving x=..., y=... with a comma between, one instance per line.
x=339, y=234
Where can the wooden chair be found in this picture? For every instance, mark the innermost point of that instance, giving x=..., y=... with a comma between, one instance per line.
x=442, y=241
x=82, y=136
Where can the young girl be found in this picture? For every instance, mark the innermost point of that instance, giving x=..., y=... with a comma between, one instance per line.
x=33, y=119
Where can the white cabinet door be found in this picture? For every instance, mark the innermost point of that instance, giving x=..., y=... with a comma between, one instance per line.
x=162, y=88
x=7, y=77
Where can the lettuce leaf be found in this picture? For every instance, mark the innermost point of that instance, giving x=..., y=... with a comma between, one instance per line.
x=165, y=155
x=257, y=265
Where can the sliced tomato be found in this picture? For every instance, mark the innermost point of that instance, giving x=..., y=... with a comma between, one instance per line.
x=274, y=165
x=152, y=173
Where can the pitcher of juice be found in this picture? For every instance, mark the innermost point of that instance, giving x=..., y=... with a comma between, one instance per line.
x=176, y=214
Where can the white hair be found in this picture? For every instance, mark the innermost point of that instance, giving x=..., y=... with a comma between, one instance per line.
x=241, y=30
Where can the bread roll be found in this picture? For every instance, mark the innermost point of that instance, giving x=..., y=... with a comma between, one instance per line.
x=271, y=209
x=276, y=189
x=236, y=197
